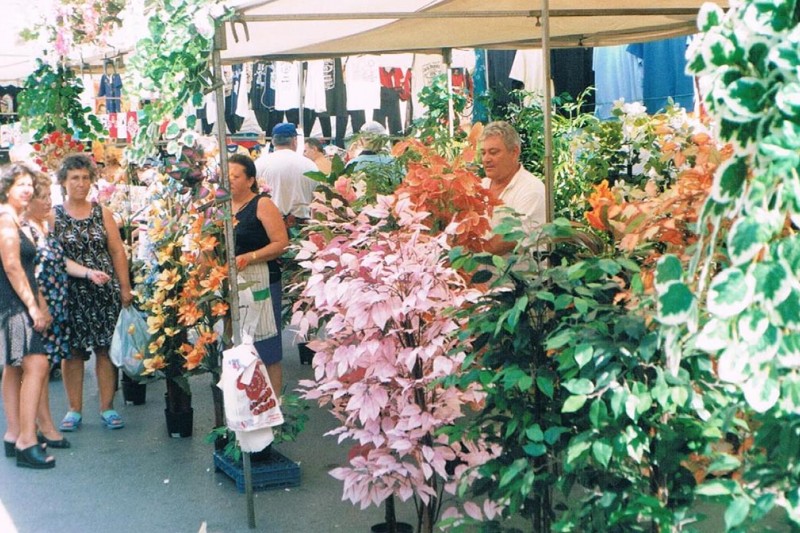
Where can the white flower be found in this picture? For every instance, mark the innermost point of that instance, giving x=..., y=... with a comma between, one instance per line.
x=216, y=10
x=204, y=23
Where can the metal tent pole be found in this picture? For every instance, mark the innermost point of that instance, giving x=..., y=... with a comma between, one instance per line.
x=220, y=44
x=447, y=56
x=548, y=111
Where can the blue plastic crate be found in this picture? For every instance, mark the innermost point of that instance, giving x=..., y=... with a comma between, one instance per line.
x=276, y=473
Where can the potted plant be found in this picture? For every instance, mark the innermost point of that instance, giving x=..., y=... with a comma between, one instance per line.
x=182, y=287
x=381, y=289
x=581, y=388
x=740, y=300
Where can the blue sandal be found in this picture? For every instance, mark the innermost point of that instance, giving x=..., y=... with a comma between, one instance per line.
x=72, y=421
x=112, y=420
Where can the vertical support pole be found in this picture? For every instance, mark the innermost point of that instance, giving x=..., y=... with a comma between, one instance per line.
x=548, y=112
x=216, y=63
x=447, y=56
x=301, y=80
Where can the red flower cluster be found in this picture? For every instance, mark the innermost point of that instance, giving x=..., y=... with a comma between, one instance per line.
x=53, y=148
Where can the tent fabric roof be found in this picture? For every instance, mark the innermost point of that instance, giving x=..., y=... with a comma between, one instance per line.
x=289, y=29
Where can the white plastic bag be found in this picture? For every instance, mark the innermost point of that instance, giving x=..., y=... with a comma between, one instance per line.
x=129, y=342
x=251, y=402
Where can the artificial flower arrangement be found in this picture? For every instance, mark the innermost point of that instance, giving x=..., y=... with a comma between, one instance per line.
x=53, y=148
x=381, y=288
x=661, y=216
x=182, y=288
x=73, y=23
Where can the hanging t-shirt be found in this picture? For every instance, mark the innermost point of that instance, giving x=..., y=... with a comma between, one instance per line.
x=233, y=118
x=463, y=59
x=664, y=73
x=528, y=67
x=335, y=91
x=498, y=68
x=617, y=74
x=315, y=87
x=363, y=83
x=262, y=94
x=572, y=73
x=479, y=111
x=425, y=69
x=286, y=81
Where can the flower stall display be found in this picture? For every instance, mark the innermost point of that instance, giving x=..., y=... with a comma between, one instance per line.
x=182, y=287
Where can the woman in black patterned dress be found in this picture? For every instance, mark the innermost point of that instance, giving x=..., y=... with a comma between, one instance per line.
x=23, y=318
x=90, y=237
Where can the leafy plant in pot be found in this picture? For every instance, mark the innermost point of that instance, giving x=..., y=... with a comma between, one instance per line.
x=580, y=388
x=381, y=285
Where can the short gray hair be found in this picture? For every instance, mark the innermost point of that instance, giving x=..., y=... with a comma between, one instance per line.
x=282, y=140
x=504, y=130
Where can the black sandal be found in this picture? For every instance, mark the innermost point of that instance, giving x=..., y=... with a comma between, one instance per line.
x=10, y=448
x=62, y=443
x=34, y=457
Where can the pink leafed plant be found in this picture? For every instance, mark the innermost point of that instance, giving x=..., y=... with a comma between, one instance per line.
x=382, y=294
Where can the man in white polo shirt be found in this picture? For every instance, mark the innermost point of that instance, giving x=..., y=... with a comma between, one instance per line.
x=508, y=181
x=284, y=171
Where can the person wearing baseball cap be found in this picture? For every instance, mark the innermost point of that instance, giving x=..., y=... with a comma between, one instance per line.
x=284, y=172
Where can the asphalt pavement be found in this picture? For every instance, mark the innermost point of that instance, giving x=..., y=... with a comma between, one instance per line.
x=138, y=479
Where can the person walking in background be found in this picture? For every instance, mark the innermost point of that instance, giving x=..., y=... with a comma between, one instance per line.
x=316, y=153
x=23, y=318
x=508, y=181
x=260, y=239
x=90, y=237
x=284, y=171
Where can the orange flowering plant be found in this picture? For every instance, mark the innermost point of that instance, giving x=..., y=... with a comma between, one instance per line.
x=182, y=288
x=448, y=189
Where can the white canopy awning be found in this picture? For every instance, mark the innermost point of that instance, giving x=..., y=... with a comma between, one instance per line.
x=326, y=28
x=321, y=28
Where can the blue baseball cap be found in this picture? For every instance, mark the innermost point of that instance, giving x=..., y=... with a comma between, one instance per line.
x=285, y=129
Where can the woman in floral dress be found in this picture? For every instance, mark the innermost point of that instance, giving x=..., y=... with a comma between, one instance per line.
x=52, y=274
x=90, y=237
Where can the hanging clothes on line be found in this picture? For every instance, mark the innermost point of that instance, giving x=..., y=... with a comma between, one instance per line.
x=664, y=73
x=618, y=74
x=111, y=89
x=528, y=68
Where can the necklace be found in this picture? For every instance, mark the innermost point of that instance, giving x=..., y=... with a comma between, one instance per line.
x=237, y=210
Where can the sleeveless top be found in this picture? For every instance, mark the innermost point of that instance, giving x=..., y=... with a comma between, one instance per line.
x=11, y=303
x=250, y=235
x=93, y=309
x=17, y=336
